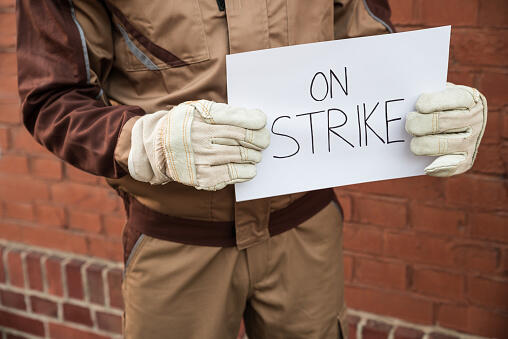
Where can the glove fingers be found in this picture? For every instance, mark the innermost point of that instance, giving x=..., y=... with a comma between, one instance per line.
x=212, y=178
x=256, y=139
x=440, y=144
x=241, y=172
x=440, y=122
x=454, y=97
x=226, y=141
x=234, y=142
x=447, y=165
x=224, y=154
x=223, y=114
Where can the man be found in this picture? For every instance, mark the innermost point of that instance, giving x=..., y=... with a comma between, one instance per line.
x=134, y=91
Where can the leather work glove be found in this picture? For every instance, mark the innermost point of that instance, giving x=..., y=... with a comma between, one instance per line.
x=202, y=143
x=449, y=124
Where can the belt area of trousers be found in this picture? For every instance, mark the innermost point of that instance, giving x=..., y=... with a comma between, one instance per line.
x=220, y=233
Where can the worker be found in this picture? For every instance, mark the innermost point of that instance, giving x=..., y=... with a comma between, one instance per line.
x=135, y=91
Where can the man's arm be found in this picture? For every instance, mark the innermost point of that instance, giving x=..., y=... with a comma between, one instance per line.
x=60, y=68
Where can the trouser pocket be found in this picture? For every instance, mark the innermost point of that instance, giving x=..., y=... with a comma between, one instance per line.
x=132, y=243
x=343, y=328
x=338, y=206
x=132, y=240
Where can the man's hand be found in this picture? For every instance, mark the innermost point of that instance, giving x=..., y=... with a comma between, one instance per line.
x=449, y=124
x=201, y=143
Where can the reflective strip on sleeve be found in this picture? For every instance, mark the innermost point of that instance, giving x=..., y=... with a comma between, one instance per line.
x=142, y=57
x=83, y=41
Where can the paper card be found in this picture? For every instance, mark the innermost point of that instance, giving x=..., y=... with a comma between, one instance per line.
x=336, y=110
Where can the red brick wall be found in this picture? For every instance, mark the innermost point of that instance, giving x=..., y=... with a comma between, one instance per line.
x=426, y=250
x=57, y=295
x=435, y=251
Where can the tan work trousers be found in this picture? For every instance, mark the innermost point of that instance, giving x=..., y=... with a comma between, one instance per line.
x=289, y=286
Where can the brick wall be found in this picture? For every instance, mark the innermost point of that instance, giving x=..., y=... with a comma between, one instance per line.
x=429, y=250
x=61, y=295
x=58, y=295
x=424, y=253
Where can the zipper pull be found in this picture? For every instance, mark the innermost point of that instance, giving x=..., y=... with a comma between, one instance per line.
x=222, y=5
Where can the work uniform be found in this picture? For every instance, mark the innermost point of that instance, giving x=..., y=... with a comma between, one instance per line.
x=196, y=261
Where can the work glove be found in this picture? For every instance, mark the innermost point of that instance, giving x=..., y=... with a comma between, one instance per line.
x=448, y=124
x=202, y=143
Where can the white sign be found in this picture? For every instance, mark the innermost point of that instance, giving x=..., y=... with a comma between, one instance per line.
x=336, y=109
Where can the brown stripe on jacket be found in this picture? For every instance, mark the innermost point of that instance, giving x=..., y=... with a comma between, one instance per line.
x=143, y=220
x=58, y=104
x=159, y=52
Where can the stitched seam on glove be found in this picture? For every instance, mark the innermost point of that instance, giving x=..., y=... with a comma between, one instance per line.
x=484, y=125
x=188, y=151
x=166, y=136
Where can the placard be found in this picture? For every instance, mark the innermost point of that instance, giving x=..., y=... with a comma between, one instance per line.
x=336, y=110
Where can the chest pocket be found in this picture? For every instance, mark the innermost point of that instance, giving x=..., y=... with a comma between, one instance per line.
x=158, y=34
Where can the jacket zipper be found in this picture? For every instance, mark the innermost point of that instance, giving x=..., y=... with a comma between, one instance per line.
x=221, y=4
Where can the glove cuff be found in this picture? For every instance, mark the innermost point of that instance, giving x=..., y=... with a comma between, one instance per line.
x=174, y=145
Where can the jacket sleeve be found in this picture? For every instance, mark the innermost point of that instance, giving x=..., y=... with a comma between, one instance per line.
x=355, y=18
x=61, y=63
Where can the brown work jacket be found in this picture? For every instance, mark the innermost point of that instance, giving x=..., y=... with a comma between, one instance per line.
x=89, y=69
